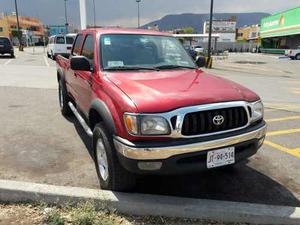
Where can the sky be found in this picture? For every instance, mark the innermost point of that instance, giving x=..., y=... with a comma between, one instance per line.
x=124, y=12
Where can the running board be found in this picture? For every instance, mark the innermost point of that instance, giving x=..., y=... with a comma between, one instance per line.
x=82, y=122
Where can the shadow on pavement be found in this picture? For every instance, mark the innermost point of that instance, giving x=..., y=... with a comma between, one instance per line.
x=240, y=183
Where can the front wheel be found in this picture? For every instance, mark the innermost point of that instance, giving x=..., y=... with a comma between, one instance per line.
x=297, y=57
x=111, y=174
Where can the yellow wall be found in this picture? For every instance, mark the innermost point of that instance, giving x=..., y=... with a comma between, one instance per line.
x=10, y=22
x=5, y=28
x=244, y=33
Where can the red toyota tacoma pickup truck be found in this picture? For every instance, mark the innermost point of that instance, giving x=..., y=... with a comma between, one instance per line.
x=150, y=109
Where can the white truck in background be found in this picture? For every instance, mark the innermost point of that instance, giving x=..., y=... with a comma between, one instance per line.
x=60, y=45
x=293, y=53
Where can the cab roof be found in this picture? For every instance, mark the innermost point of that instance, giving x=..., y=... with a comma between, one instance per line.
x=116, y=30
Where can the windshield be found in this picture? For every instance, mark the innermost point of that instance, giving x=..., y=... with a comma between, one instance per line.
x=119, y=51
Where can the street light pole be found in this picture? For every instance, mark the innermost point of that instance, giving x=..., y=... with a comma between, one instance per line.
x=209, y=60
x=66, y=17
x=18, y=27
x=94, y=4
x=138, y=2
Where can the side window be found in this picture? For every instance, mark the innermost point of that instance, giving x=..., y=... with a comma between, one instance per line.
x=88, y=47
x=60, y=40
x=77, y=45
x=69, y=40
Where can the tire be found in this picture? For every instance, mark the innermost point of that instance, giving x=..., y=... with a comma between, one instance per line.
x=52, y=56
x=111, y=175
x=12, y=55
x=297, y=57
x=63, y=99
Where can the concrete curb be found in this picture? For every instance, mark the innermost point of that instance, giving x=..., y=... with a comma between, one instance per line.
x=142, y=204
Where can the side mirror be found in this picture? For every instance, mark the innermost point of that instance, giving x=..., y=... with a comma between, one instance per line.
x=200, y=61
x=80, y=63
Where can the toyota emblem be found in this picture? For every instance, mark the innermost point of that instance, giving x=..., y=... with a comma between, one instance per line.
x=218, y=120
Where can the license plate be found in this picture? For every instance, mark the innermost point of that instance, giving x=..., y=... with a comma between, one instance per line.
x=221, y=157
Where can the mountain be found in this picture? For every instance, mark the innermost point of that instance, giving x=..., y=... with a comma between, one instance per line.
x=196, y=21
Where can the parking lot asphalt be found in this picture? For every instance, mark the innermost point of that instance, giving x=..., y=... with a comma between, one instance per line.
x=37, y=144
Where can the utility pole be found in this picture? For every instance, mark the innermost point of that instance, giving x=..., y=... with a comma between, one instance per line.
x=209, y=59
x=66, y=17
x=94, y=4
x=82, y=7
x=138, y=3
x=18, y=27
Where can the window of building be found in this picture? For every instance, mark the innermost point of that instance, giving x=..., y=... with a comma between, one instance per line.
x=1, y=29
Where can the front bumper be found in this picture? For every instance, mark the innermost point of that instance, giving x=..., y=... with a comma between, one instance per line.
x=246, y=142
x=147, y=152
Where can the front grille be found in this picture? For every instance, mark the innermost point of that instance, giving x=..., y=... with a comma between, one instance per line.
x=198, y=123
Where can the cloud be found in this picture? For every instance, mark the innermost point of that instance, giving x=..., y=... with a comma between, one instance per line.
x=124, y=12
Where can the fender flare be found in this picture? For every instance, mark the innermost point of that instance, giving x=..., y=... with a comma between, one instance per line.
x=101, y=108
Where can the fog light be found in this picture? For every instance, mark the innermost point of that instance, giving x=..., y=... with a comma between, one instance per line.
x=149, y=165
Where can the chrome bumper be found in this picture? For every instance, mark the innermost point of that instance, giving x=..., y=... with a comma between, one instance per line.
x=129, y=150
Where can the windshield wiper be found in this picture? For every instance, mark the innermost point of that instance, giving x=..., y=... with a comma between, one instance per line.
x=174, y=67
x=116, y=68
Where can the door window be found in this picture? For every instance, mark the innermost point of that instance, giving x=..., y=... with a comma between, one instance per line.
x=77, y=45
x=60, y=40
x=69, y=40
x=88, y=48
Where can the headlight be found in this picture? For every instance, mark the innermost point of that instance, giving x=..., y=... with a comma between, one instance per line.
x=153, y=125
x=146, y=125
x=257, y=111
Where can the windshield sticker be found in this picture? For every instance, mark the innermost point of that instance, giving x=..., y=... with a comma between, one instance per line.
x=107, y=41
x=115, y=63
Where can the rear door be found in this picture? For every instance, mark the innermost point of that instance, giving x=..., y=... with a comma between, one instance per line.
x=84, y=78
x=60, y=45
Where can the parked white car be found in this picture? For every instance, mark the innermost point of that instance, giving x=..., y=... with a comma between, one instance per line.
x=60, y=45
x=293, y=53
x=199, y=49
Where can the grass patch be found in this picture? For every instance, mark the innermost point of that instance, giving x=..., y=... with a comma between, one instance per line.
x=54, y=218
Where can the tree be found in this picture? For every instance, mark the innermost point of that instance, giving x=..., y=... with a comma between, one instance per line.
x=188, y=30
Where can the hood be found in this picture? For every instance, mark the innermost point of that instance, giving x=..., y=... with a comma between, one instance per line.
x=162, y=91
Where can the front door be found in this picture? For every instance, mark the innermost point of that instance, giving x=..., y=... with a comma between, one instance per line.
x=84, y=78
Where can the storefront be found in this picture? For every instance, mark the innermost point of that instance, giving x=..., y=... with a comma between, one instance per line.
x=280, y=31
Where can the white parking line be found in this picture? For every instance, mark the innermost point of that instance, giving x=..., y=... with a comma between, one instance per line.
x=8, y=61
x=46, y=61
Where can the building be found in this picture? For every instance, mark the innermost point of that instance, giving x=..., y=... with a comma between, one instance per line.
x=225, y=28
x=249, y=34
x=56, y=29
x=32, y=29
x=281, y=31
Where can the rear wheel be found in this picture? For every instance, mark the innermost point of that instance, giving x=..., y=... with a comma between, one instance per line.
x=52, y=56
x=297, y=57
x=111, y=174
x=63, y=98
